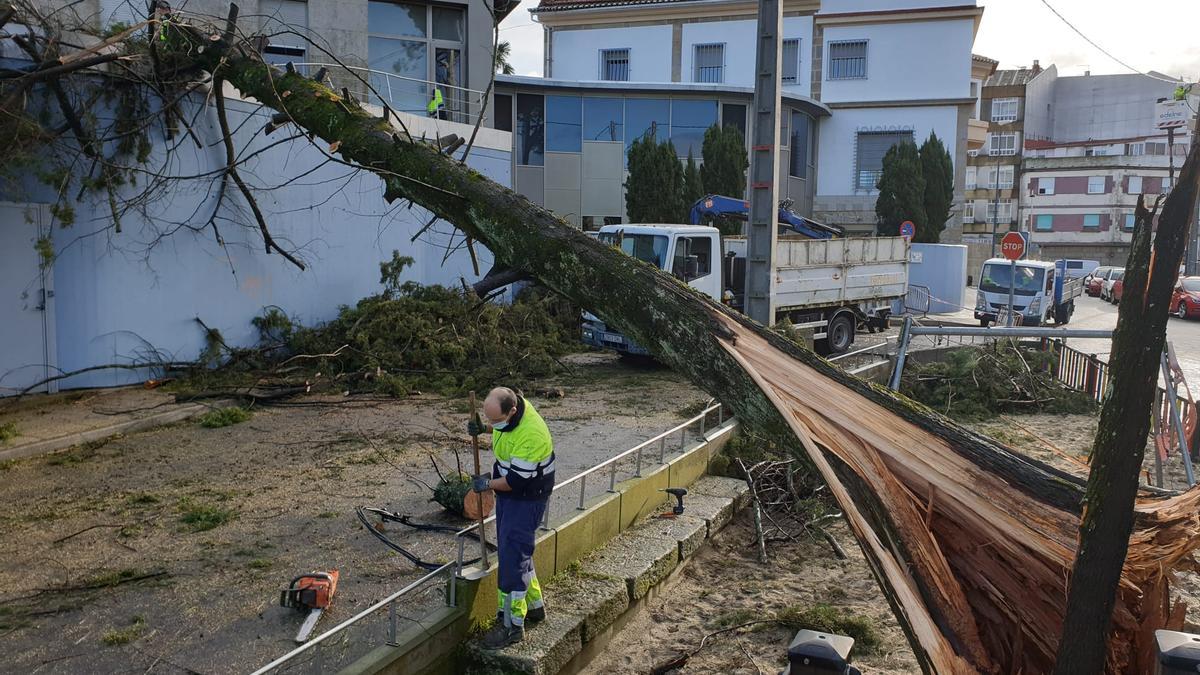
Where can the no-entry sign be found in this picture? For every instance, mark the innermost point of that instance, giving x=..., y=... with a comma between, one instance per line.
x=1012, y=246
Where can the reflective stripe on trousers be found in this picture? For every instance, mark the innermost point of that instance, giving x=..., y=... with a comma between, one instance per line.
x=516, y=528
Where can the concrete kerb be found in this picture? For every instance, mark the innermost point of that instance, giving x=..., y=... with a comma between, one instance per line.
x=70, y=440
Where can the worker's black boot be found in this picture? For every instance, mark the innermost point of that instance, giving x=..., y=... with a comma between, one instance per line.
x=535, y=614
x=501, y=636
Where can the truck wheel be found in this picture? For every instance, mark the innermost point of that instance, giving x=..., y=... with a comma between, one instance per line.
x=839, y=334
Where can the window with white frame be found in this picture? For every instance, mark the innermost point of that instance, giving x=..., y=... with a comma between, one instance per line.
x=1043, y=222
x=1045, y=186
x=971, y=178
x=708, y=62
x=1002, y=144
x=969, y=212
x=1096, y=185
x=848, y=60
x=1004, y=109
x=1128, y=221
x=999, y=213
x=1091, y=221
x=870, y=149
x=1135, y=186
x=1006, y=178
x=1156, y=148
x=790, y=69
x=614, y=65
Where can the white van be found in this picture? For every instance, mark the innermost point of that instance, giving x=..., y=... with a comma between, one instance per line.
x=1077, y=269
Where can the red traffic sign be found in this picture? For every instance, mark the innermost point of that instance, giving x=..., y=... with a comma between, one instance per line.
x=907, y=229
x=1012, y=246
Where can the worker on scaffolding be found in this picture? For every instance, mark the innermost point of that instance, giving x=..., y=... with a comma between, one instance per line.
x=522, y=477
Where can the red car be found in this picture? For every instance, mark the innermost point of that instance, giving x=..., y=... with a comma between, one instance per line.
x=1185, y=301
x=1094, y=281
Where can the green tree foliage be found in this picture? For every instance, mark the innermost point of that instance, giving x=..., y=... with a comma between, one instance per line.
x=901, y=190
x=725, y=162
x=938, y=171
x=693, y=190
x=654, y=190
x=502, y=56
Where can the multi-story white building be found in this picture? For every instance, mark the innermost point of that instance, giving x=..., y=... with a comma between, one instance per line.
x=887, y=70
x=1090, y=149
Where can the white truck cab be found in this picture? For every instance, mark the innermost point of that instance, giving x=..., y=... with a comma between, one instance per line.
x=1042, y=292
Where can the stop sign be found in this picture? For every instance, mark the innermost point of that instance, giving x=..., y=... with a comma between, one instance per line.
x=1012, y=246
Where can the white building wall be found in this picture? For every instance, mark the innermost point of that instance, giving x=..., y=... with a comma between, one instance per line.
x=739, y=60
x=905, y=61
x=839, y=135
x=575, y=53
x=134, y=297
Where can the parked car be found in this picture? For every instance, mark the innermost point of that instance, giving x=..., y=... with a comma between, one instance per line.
x=1095, y=280
x=1185, y=301
x=1114, y=277
x=1118, y=289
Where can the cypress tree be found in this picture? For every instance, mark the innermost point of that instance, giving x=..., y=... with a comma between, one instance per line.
x=693, y=190
x=938, y=171
x=725, y=162
x=901, y=190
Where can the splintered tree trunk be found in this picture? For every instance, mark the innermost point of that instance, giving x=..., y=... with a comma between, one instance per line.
x=1112, y=487
x=970, y=541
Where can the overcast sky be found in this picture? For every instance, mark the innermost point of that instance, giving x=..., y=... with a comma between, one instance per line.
x=1162, y=35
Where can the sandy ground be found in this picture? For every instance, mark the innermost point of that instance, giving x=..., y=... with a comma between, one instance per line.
x=724, y=582
x=106, y=575
x=37, y=418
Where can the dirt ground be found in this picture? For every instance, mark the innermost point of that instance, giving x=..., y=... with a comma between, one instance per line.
x=725, y=585
x=164, y=551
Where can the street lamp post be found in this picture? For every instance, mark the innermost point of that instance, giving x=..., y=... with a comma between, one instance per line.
x=996, y=204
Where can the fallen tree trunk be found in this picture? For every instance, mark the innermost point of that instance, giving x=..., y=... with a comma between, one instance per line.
x=970, y=541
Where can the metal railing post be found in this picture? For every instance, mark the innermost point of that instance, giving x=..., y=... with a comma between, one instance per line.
x=392, y=624
x=452, y=594
x=546, y=516
x=703, y=419
x=612, y=478
x=683, y=439
x=662, y=449
x=720, y=414
x=582, y=491
x=638, y=472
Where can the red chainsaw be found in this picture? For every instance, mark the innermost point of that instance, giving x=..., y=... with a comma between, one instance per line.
x=314, y=592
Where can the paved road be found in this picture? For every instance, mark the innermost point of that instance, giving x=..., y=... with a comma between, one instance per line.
x=1184, y=334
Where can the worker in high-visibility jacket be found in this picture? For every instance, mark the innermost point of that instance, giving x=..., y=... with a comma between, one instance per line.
x=437, y=105
x=523, y=477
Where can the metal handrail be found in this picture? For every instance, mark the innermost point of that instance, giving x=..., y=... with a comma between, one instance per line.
x=386, y=602
x=877, y=345
x=581, y=477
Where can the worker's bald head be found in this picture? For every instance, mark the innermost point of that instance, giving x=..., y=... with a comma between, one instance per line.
x=500, y=405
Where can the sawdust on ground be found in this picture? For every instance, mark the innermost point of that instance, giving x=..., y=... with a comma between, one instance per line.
x=105, y=573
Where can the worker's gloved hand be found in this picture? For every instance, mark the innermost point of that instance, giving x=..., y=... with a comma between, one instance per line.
x=481, y=483
x=475, y=425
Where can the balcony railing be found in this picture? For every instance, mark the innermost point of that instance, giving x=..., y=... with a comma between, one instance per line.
x=402, y=93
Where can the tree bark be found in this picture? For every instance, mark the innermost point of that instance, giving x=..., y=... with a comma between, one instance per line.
x=1116, y=460
x=976, y=580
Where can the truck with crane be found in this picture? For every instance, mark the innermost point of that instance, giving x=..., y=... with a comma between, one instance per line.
x=823, y=281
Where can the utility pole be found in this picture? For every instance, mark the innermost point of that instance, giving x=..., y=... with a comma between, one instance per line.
x=762, y=227
x=996, y=203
